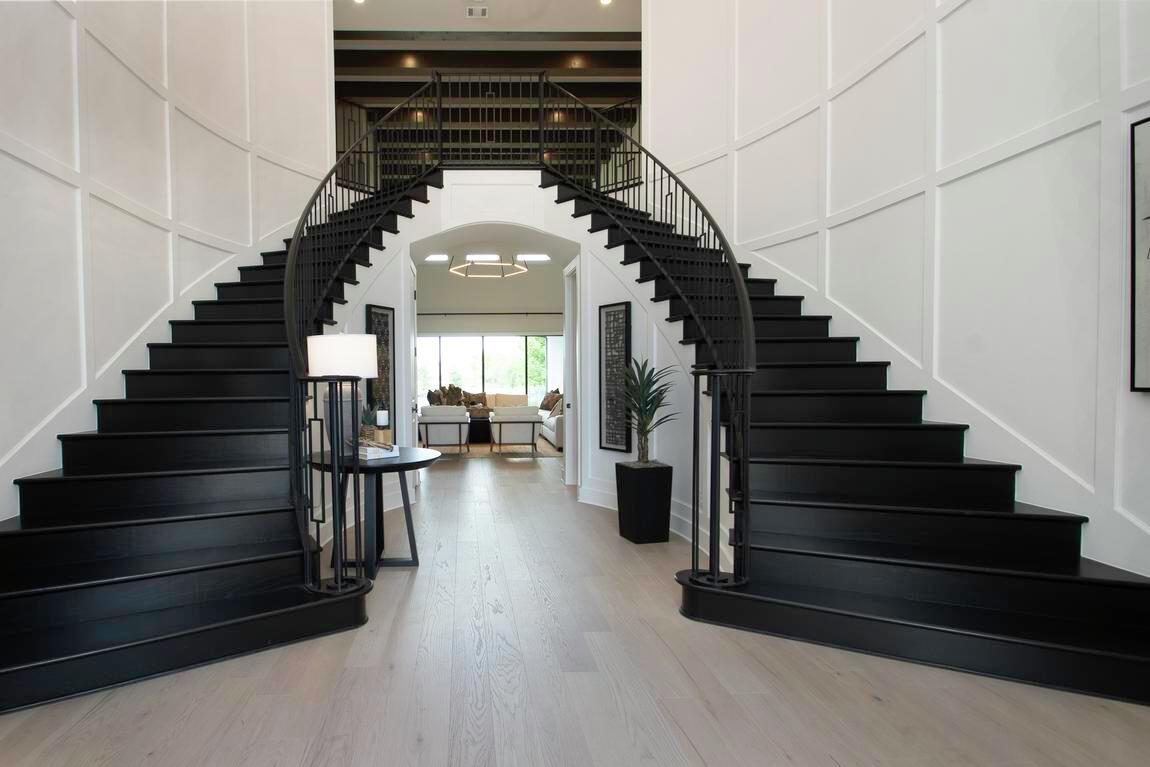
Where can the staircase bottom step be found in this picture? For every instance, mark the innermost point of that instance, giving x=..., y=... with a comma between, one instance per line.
x=43, y=666
x=1018, y=647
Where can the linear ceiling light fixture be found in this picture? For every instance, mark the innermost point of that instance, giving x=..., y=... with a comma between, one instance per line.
x=437, y=258
x=485, y=265
x=529, y=258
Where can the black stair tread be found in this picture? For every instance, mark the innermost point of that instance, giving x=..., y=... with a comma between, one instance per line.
x=924, y=556
x=141, y=515
x=186, y=400
x=696, y=340
x=771, y=317
x=1015, y=626
x=1018, y=509
x=237, y=283
x=835, y=392
x=823, y=364
x=104, y=435
x=217, y=344
x=668, y=297
x=704, y=278
x=197, y=371
x=239, y=300
x=962, y=463
x=24, y=580
x=44, y=646
x=923, y=426
x=57, y=475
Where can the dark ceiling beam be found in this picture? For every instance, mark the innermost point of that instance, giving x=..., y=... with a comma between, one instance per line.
x=487, y=36
x=372, y=92
x=469, y=59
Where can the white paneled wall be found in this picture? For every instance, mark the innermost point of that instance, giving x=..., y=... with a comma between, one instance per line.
x=947, y=178
x=135, y=170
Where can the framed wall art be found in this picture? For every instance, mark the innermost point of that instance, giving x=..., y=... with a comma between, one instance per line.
x=380, y=322
x=1140, y=255
x=614, y=358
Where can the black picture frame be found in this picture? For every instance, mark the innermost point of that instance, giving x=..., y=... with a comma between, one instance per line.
x=614, y=359
x=1140, y=257
x=379, y=321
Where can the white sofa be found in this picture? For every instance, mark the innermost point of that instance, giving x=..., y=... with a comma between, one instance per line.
x=515, y=426
x=442, y=425
x=552, y=428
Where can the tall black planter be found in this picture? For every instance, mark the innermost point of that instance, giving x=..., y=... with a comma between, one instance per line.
x=644, y=492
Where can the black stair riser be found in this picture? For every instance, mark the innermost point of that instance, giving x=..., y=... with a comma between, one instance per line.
x=172, y=451
x=773, y=327
x=820, y=377
x=836, y=407
x=355, y=225
x=132, y=415
x=256, y=383
x=43, y=497
x=76, y=547
x=242, y=310
x=403, y=206
x=584, y=207
x=815, y=350
x=241, y=290
x=638, y=225
x=347, y=273
x=44, y=610
x=1054, y=667
x=360, y=255
x=1103, y=603
x=215, y=357
x=1008, y=538
x=775, y=305
x=190, y=332
x=82, y=674
x=664, y=288
x=617, y=236
x=967, y=487
x=649, y=270
x=892, y=444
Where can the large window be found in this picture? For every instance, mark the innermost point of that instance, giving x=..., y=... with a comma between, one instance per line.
x=531, y=365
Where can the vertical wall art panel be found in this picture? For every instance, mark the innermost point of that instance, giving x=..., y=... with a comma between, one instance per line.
x=768, y=45
x=211, y=181
x=42, y=332
x=859, y=31
x=127, y=130
x=214, y=85
x=1005, y=68
x=614, y=360
x=778, y=184
x=877, y=130
x=380, y=322
x=875, y=268
x=1140, y=255
x=1017, y=308
x=131, y=272
x=38, y=96
x=194, y=260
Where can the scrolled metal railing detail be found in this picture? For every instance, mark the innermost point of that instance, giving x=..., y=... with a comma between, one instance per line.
x=464, y=120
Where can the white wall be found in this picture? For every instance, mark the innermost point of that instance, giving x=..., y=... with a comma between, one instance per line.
x=147, y=149
x=949, y=181
x=514, y=197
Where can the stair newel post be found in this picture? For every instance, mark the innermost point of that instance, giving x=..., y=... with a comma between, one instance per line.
x=715, y=535
x=695, y=475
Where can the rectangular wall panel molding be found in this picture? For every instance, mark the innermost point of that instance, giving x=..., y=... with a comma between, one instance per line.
x=131, y=180
x=948, y=180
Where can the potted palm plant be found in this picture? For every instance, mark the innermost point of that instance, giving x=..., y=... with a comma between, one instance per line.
x=644, y=486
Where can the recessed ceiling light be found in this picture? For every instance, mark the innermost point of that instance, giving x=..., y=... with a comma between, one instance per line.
x=532, y=257
x=482, y=257
x=360, y=2
x=437, y=258
x=601, y=2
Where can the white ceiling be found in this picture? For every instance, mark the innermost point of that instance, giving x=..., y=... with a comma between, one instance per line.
x=505, y=239
x=505, y=15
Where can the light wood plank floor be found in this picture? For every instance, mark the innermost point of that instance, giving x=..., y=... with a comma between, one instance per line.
x=533, y=635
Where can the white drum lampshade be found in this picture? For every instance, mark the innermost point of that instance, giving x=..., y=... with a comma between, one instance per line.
x=343, y=354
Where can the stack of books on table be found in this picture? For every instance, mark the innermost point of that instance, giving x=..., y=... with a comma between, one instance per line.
x=370, y=450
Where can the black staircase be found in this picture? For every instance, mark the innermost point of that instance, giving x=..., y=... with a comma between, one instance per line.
x=186, y=528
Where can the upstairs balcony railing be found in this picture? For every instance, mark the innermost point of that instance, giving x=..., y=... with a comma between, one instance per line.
x=503, y=120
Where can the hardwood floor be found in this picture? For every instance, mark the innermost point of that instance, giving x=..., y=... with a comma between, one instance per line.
x=533, y=635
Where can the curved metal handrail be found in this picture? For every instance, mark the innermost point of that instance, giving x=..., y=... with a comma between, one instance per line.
x=747, y=362
x=296, y=352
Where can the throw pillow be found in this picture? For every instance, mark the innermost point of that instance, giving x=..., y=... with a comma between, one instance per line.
x=434, y=397
x=548, y=401
x=557, y=408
